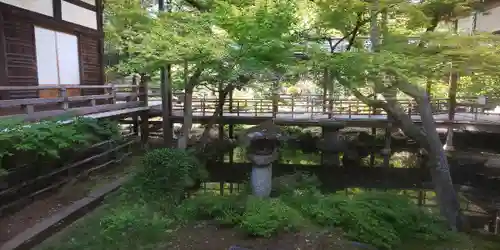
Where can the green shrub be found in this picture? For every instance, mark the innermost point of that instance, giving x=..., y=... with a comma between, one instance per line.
x=210, y=206
x=165, y=175
x=384, y=220
x=46, y=140
x=120, y=227
x=265, y=217
x=130, y=224
x=100, y=129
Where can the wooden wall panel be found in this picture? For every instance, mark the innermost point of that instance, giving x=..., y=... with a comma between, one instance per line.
x=91, y=64
x=18, y=58
x=20, y=53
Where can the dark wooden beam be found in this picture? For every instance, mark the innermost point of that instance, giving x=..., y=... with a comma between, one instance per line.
x=3, y=59
x=100, y=28
x=99, y=14
x=49, y=22
x=57, y=8
x=84, y=4
x=80, y=60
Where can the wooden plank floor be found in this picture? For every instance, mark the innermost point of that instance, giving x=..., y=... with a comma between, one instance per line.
x=116, y=112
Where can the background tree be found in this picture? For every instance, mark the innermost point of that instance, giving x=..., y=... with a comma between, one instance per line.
x=224, y=45
x=402, y=67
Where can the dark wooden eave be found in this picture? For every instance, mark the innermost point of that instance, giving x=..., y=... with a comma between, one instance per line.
x=51, y=22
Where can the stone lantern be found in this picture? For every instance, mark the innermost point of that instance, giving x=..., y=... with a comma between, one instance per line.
x=261, y=143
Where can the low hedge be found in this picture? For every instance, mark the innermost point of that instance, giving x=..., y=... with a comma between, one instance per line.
x=22, y=144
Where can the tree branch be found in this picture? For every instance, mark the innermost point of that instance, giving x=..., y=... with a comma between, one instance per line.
x=195, y=78
x=198, y=5
x=403, y=84
x=358, y=26
x=394, y=110
x=355, y=31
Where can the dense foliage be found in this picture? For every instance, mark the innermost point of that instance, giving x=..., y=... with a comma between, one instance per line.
x=140, y=215
x=382, y=219
x=251, y=43
x=22, y=143
x=227, y=39
x=146, y=212
x=128, y=227
x=165, y=174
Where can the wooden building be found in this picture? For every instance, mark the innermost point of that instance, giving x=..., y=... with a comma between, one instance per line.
x=50, y=43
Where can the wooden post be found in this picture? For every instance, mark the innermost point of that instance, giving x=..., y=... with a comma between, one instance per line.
x=64, y=95
x=143, y=97
x=374, y=132
x=372, y=154
x=311, y=101
x=325, y=89
x=386, y=152
x=166, y=96
x=221, y=132
x=423, y=162
x=322, y=157
x=113, y=93
x=275, y=99
x=135, y=117
x=231, y=136
x=29, y=109
x=230, y=101
x=203, y=105
x=330, y=97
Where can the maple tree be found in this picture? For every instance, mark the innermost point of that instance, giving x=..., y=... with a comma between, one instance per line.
x=228, y=44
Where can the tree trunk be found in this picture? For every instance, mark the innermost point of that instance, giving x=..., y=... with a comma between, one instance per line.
x=188, y=119
x=440, y=171
x=187, y=123
x=438, y=163
x=428, y=140
x=166, y=105
x=218, y=109
x=452, y=103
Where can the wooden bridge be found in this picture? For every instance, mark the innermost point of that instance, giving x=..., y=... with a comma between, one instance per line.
x=310, y=110
x=81, y=100
x=313, y=110
x=143, y=109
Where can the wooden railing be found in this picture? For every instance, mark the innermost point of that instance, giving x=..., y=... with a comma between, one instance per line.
x=113, y=97
x=314, y=106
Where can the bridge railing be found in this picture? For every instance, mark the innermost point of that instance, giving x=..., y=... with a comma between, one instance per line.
x=315, y=106
x=75, y=100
